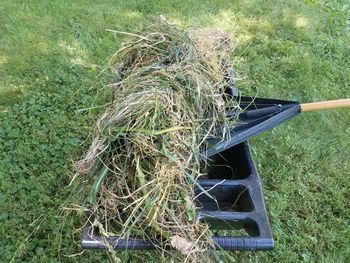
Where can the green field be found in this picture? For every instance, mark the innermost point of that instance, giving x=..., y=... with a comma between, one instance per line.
x=51, y=53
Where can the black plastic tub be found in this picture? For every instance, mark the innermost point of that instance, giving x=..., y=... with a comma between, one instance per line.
x=237, y=216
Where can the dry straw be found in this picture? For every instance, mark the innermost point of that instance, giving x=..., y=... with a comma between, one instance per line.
x=145, y=158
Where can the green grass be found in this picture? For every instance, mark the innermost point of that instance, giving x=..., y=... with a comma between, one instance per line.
x=50, y=55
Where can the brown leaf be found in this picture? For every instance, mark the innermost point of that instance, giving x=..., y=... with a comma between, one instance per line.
x=183, y=245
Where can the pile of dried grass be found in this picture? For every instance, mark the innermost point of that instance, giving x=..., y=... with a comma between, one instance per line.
x=145, y=157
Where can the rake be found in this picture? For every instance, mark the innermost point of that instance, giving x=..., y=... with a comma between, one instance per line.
x=261, y=114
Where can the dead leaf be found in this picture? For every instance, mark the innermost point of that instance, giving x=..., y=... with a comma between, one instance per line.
x=183, y=245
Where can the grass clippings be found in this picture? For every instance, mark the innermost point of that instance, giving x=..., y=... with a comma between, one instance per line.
x=145, y=158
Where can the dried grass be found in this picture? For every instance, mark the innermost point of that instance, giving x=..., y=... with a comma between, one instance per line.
x=145, y=158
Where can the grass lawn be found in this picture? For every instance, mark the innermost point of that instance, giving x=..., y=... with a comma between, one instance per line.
x=50, y=55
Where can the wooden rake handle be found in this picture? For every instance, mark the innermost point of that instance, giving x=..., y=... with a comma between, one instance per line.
x=324, y=105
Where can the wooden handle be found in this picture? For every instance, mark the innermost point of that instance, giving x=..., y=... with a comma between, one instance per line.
x=324, y=105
